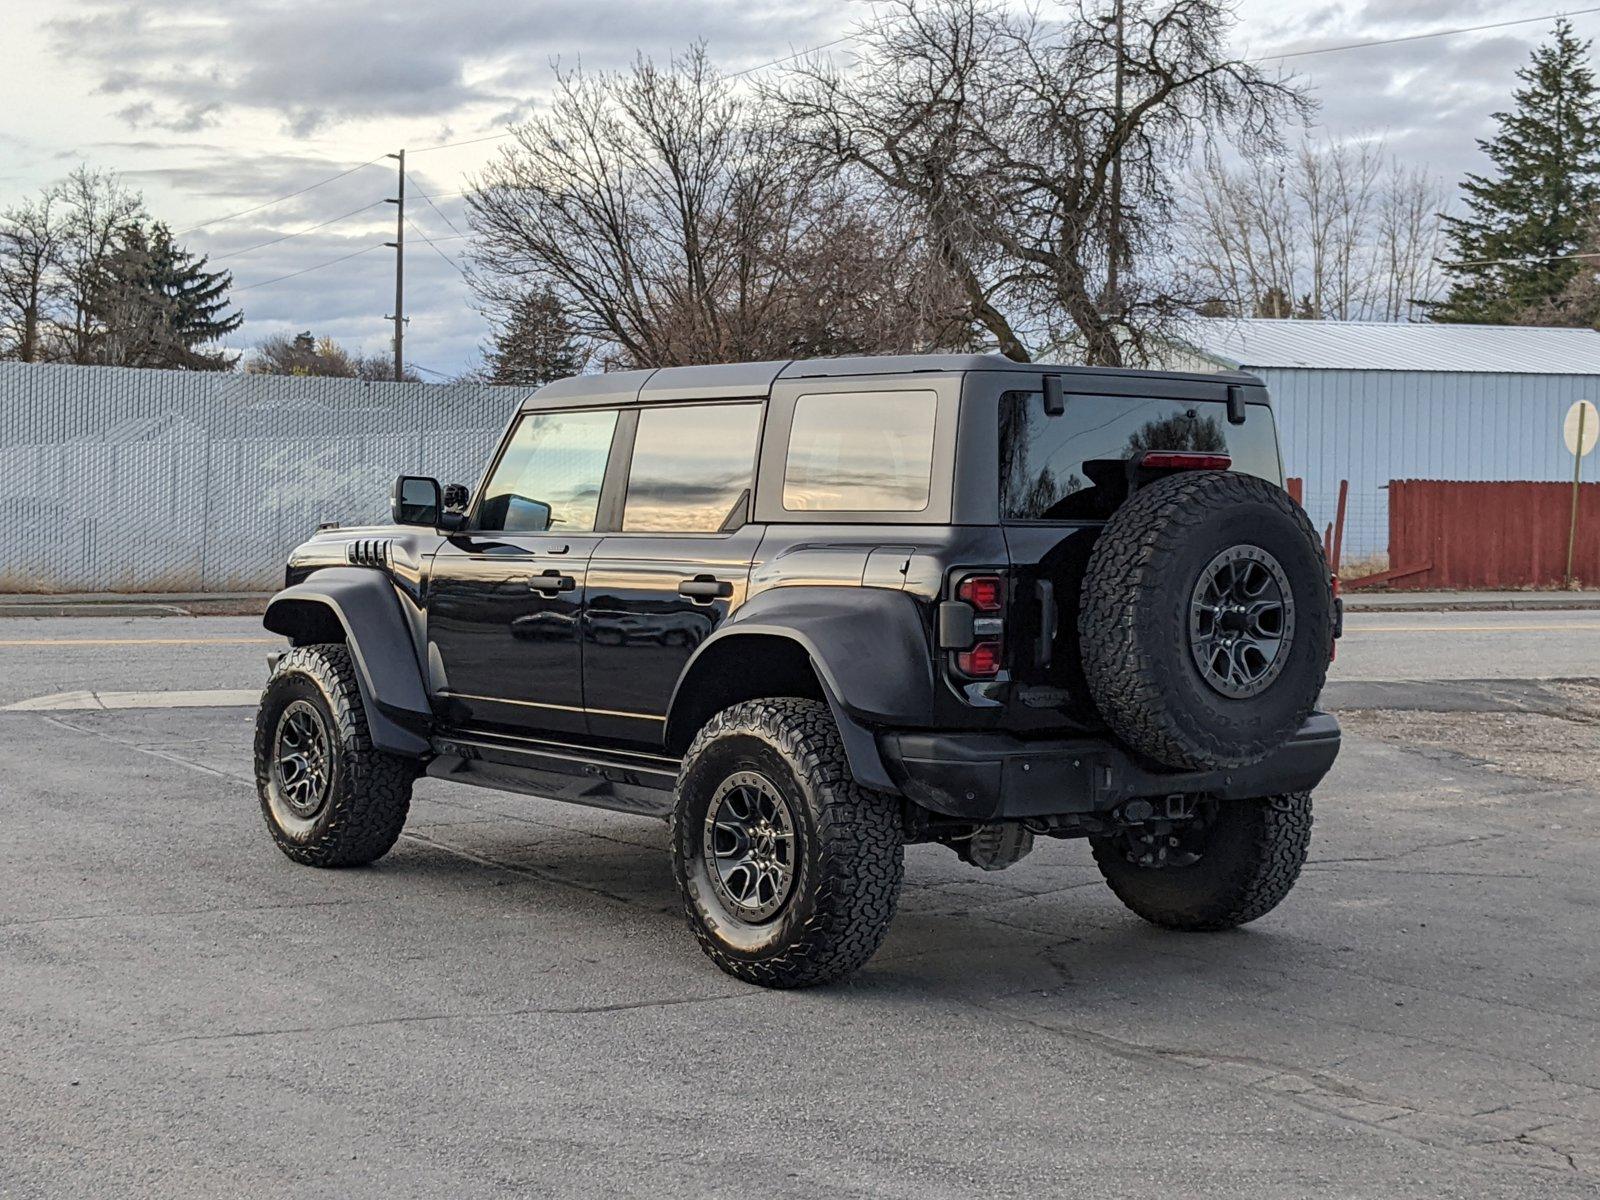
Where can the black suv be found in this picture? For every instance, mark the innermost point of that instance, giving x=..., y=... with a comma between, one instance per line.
x=810, y=612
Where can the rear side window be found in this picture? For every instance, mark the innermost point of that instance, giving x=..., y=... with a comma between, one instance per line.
x=549, y=477
x=692, y=468
x=1072, y=467
x=860, y=452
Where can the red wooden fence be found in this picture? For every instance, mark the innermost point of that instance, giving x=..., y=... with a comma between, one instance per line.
x=1445, y=534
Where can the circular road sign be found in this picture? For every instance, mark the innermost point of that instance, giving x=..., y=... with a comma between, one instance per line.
x=1584, y=411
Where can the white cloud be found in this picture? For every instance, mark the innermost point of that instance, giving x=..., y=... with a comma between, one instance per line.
x=212, y=107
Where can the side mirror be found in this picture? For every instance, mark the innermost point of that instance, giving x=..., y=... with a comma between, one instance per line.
x=416, y=500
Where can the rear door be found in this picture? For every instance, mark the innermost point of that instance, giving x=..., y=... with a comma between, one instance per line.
x=506, y=596
x=1061, y=477
x=679, y=565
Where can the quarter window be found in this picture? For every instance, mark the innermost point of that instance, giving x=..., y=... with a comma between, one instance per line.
x=549, y=477
x=860, y=452
x=691, y=468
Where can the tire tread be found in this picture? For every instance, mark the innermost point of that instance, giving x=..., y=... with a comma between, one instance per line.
x=373, y=794
x=860, y=860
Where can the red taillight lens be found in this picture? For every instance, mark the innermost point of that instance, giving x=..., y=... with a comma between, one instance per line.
x=982, y=661
x=986, y=593
x=1182, y=460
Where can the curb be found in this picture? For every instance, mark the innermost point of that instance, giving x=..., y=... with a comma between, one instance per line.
x=136, y=605
x=1531, y=604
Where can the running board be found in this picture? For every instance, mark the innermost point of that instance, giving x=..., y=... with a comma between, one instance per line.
x=622, y=780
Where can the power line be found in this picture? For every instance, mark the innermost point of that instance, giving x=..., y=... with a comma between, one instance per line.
x=298, y=233
x=777, y=62
x=1418, y=37
x=308, y=270
x=437, y=209
x=243, y=212
x=488, y=137
x=453, y=263
x=416, y=366
x=503, y=134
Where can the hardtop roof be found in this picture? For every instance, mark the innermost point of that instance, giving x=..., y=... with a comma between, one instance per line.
x=731, y=381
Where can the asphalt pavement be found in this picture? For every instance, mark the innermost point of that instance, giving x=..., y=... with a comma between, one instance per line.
x=510, y=1003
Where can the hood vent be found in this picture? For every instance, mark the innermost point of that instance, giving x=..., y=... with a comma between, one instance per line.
x=368, y=552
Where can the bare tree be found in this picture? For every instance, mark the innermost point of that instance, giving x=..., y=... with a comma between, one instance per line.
x=675, y=224
x=97, y=213
x=1333, y=231
x=1044, y=156
x=30, y=239
x=1410, y=241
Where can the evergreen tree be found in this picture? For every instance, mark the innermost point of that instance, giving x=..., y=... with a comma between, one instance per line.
x=158, y=305
x=534, y=343
x=1534, y=206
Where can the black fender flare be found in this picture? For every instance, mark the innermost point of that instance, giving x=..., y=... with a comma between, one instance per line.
x=868, y=648
x=363, y=601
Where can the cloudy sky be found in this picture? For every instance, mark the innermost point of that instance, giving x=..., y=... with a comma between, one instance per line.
x=213, y=107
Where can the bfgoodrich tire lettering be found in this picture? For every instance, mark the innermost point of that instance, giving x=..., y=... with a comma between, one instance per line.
x=847, y=847
x=1135, y=629
x=1239, y=864
x=357, y=812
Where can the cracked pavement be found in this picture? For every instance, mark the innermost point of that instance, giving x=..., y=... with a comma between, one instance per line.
x=510, y=1004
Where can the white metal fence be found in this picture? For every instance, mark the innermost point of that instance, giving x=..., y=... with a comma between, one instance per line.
x=114, y=479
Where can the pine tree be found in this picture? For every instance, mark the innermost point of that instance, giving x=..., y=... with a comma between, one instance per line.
x=1533, y=208
x=158, y=306
x=534, y=343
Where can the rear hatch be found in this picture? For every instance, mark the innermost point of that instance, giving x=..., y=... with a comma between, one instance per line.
x=1061, y=476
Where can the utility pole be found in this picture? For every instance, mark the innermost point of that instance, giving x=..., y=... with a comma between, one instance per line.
x=399, y=245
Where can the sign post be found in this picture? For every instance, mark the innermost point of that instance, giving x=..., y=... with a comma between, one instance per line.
x=1581, y=430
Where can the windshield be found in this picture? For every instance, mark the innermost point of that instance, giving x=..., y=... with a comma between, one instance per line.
x=1071, y=467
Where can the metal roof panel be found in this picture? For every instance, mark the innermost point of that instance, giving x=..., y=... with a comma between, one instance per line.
x=1384, y=346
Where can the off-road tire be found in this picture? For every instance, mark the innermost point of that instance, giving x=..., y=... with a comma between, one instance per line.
x=1252, y=854
x=848, y=860
x=368, y=790
x=1133, y=624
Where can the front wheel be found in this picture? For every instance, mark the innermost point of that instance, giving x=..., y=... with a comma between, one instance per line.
x=329, y=797
x=1234, y=862
x=789, y=870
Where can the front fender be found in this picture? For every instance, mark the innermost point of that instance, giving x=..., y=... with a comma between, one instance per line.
x=364, y=604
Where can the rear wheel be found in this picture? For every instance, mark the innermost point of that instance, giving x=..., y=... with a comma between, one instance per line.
x=330, y=798
x=789, y=870
x=1232, y=863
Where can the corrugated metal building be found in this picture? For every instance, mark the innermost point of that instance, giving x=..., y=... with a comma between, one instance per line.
x=1370, y=402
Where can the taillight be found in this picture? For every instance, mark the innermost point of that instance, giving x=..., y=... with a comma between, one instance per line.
x=977, y=625
x=982, y=661
x=986, y=593
x=1183, y=460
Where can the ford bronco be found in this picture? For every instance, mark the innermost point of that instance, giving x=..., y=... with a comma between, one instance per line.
x=812, y=612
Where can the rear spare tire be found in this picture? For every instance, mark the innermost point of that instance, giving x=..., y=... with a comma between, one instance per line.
x=1207, y=620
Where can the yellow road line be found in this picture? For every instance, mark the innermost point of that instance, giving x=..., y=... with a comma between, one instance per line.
x=238, y=641
x=1352, y=628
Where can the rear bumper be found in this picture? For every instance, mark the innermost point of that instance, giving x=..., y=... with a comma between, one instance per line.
x=993, y=776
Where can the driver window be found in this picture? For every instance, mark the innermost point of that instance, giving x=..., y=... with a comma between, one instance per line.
x=549, y=477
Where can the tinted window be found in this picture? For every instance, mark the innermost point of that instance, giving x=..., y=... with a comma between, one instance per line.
x=691, y=467
x=1074, y=466
x=860, y=452
x=549, y=476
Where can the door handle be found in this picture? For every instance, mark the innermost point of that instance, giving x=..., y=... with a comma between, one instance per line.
x=551, y=581
x=704, y=587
